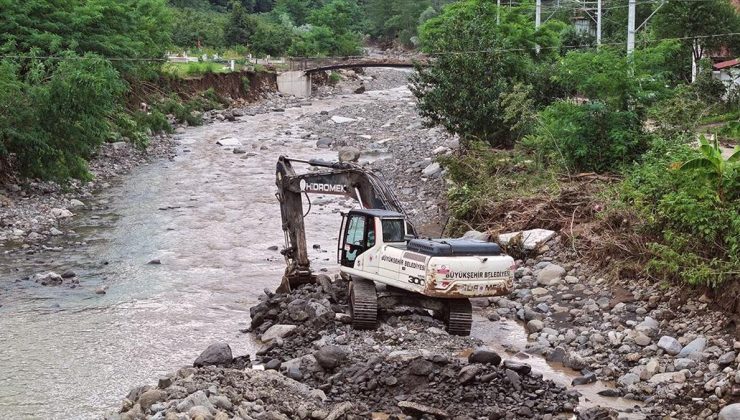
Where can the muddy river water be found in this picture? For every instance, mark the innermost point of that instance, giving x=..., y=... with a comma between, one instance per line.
x=210, y=217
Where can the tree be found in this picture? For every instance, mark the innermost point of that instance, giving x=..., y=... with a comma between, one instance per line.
x=241, y=26
x=477, y=63
x=126, y=30
x=718, y=171
x=396, y=19
x=699, y=22
x=196, y=27
x=341, y=16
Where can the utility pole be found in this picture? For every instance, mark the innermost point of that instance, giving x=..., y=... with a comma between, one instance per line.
x=598, y=23
x=631, y=27
x=537, y=13
x=498, y=12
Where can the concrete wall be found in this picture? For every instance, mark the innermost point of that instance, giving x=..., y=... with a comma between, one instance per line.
x=294, y=83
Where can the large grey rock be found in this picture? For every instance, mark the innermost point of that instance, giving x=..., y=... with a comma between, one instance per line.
x=641, y=339
x=684, y=363
x=148, y=398
x=277, y=331
x=215, y=354
x=535, y=325
x=433, y=169
x=670, y=345
x=628, y=379
x=532, y=239
x=696, y=346
x=342, y=120
x=550, y=273
x=61, y=213
x=484, y=355
x=330, y=357
x=574, y=361
x=229, y=142
x=649, y=326
x=417, y=410
x=196, y=399
x=467, y=373
x=49, y=278
x=730, y=412
x=478, y=236
x=726, y=359
x=349, y=154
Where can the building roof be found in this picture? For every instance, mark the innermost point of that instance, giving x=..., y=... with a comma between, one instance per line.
x=727, y=64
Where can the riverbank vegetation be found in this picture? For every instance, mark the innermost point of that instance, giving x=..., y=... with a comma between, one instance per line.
x=595, y=143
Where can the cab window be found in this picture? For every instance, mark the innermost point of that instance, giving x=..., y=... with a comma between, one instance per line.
x=393, y=230
x=356, y=230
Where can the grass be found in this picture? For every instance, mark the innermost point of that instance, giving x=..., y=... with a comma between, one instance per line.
x=194, y=69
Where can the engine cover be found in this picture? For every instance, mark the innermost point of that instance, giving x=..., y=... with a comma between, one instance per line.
x=453, y=247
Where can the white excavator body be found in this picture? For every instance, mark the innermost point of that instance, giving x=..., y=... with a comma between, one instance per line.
x=440, y=268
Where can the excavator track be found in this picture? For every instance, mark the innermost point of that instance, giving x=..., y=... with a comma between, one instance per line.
x=459, y=317
x=363, y=304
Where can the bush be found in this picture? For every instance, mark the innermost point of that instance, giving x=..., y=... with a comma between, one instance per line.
x=463, y=92
x=50, y=128
x=695, y=223
x=587, y=137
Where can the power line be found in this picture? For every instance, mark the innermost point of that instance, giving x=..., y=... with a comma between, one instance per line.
x=504, y=50
x=56, y=57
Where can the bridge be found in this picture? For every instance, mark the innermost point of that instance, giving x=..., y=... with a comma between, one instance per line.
x=314, y=65
x=297, y=79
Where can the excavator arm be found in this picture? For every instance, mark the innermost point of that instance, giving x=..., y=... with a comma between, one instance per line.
x=335, y=178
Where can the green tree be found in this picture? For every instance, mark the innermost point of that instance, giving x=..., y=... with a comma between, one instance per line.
x=341, y=16
x=396, y=19
x=477, y=63
x=126, y=30
x=241, y=26
x=716, y=169
x=193, y=27
x=699, y=22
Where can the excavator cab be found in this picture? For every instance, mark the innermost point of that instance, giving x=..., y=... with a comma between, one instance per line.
x=360, y=231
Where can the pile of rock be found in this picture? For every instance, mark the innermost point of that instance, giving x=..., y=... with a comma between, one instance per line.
x=670, y=352
x=317, y=367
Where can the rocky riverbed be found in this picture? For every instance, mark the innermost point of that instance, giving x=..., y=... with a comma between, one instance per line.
x=408, y=368
x=657, y=353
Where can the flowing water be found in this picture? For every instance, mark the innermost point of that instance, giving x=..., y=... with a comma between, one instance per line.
x=210, y=216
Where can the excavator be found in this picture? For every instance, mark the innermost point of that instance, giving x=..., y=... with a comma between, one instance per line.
x=380, y=255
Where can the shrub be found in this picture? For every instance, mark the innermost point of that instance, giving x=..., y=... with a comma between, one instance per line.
x=334, y=78
x=50, y=128
x=693, y=213
x=587, y=137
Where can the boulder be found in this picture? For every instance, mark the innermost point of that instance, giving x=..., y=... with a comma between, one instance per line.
x=148, y=398
x=670, y=345
x=196, y=399
x=695, y=346
x=550, y=273
x=432, y=170
x=484, y=355
x=535, y=325
x=730, y=412
x=329, y=357
x=628, y=379
x=475, y=235
x=467, y=373
x=349, y=154
x=417, y=410
x=49, y=278
x=277, y=331
x=61, y=213
x=215, y=354
x=342, y=120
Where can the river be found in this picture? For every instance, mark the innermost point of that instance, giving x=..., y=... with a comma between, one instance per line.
x=210, y=216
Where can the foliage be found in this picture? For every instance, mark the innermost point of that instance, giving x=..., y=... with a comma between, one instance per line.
x=609, y=76
x=713, y=167
x=192, y=69
x=194, y=27
x=699, y=22
x=125, y=29
x=48, y=129
x=483, y=176
x=334, y=78
x=586, y=137
x=678, y=115
x=478, y=62
x=397, y=20
x=697, y=229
